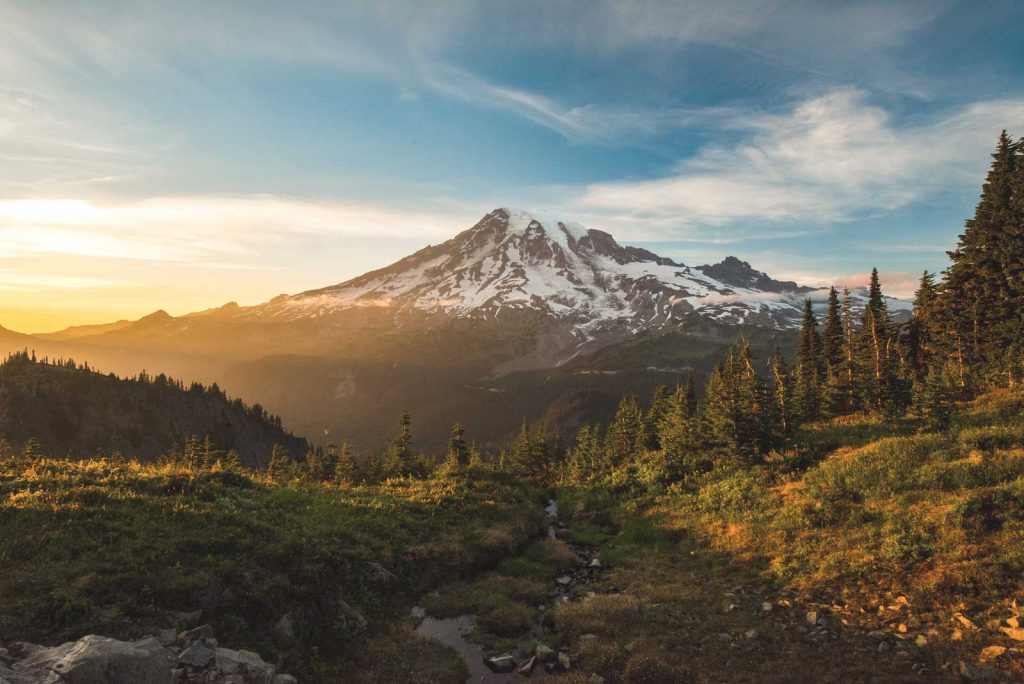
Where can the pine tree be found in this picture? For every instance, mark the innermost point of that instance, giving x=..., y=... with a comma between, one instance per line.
x=345, y=469
x=922, y=327
x=660, y=405
x=626, y=434
x=933, y=396
x=458, y=452
x=280, y=465
x=809, y=370
x=980, y=301
x=399, y=460
x=782, y=392
x=529, y=457
x=832, y=334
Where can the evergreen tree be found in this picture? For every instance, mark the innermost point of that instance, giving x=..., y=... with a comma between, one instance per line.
x=832, y=334
x=922, y=333
x=809, y=370
x=626, y=434
x=280, y=465
x=345, y=468
x=233, y=461
x=661, y=403
x=458, y=453
x=980, y=300
x=529, y=457
x=782, y=392
x=399, y=460
x=933, y=396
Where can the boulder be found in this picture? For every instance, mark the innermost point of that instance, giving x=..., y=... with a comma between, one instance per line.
x=197, y=655
x=185, y=619
x=284, y=679
x=248, y=665
x=200, y=632
x=545, y=654
x=500, y=663
x=526, y=669
x=100, y=660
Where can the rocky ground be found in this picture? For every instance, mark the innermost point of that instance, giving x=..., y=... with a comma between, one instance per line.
x=170, y=657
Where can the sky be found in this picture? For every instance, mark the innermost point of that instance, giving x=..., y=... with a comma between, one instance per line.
x=180, y=155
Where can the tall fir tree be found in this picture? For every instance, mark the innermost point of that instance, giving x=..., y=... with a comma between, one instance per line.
x=832, y=334
x=399, y=460
x=809, y=371
x=922, y=328
x=980, y=299
x=458, y=452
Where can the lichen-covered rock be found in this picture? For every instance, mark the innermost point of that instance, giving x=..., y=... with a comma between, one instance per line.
x=96, y=660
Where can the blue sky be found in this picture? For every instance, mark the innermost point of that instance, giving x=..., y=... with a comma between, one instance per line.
x=180, y=155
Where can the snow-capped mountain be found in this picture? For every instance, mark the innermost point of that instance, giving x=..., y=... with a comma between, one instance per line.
x=514, y=260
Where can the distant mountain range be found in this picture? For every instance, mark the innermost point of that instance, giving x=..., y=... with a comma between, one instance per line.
x=521, y=315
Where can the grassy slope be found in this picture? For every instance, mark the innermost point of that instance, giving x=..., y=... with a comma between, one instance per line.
x=104, y=547
x=892, y=527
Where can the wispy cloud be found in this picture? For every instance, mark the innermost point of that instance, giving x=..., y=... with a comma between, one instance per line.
x=198, y=229
x=830, y=158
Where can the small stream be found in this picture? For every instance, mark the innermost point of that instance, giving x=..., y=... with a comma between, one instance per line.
x=453, y=632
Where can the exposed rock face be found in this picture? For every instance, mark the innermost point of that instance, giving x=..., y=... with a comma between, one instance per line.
x=95, y=660
x=101, y=660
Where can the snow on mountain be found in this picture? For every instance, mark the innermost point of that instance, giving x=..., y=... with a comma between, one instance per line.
x=514, y=260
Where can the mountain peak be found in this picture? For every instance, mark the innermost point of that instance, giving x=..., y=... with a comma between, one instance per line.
x=737, y=273
x=520, y=260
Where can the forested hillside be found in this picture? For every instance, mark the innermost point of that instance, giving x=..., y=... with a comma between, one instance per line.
x=64, y=409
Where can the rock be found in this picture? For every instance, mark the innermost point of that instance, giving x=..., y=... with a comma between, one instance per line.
x=545, y=654
x=526, y=669
x=284, y=628
x=419, y=612
x=353, y=618
x=564, y=580
x=197, y=655
x=921, y=641
x=992, y=652
x=500, y=663
x=200, y=632
x=976, y=673
x=1015, y=633
x=766, y=607
x=167, y=636
x=185, y=619
x=284, y=679
x=595, y=563
x=965, y=621
x=232, y=679
x=884, y=646
x=564, y=661
x=750, y=634
x=99, y=660
x=812, y=617
x=245, y=663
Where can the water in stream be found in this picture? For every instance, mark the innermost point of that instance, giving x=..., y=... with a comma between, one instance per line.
x=452, y=632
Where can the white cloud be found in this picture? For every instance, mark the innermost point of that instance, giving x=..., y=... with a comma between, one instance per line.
x=830, y=158
x=202, y=229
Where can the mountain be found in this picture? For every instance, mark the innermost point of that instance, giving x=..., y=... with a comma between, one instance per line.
x=514, y=260
x=76, y=331
x=521, y=312
x=75, y=411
